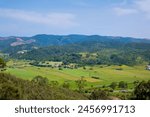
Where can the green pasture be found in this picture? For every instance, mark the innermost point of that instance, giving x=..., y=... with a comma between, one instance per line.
x=105, y=74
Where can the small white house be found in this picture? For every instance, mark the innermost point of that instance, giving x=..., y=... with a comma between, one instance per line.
x=148, y=67
x=22, y=52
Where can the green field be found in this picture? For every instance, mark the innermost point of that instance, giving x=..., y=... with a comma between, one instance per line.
x=105, y=74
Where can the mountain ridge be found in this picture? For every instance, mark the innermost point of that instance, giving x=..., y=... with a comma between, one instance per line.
x=45, y=39
x=68, y=48
x=14, y=43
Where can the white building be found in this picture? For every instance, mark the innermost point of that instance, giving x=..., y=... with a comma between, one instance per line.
x=148, y=67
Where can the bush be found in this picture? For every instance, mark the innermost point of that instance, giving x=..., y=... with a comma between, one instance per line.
x=119, y=69
x=95, y=77
x=9, y=91
x=66, y=85
x=123, y=85
x=142, y=91
x=2, y=63
x=113, y=85
x=81, y=84
x=40, y=80
x=99, y=95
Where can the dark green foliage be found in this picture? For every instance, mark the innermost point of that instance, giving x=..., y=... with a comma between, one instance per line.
x=142, y=91
x=66, y=85
x=136, y=83
x=54, y=83
x=113, y=85
x=60, y=68
x=108, y=54
x=2, y=63
x=81, y=84
x=109, y=50
x=95, y=77
x=99, y=95
x=9, y=91
x=37, y=89
x=116, y=59
x=123, y=85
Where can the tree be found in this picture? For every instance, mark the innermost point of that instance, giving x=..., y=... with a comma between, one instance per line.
x=136, y=83
x=40, y=80
x=2, y=63
x=123, y=85
x=10, y=92
x=66, y=85
x=17, y=88
x=54, y=83
x=99, y=95
x=142, y=91
x=81, y=84
x=113, y=85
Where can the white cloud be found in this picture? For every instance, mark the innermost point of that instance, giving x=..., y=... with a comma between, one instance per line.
x=124, y=11
x=137, y=6
x=143, y=6
x=63, y=20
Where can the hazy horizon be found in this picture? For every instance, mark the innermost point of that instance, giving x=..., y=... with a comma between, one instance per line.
x=74, y=34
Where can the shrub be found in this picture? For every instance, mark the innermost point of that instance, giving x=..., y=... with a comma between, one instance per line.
x=99, y=95
x=142, y=91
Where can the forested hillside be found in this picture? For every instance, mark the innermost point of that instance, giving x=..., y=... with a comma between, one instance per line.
x=91, y=53
x=37, y=89
x=42, y=40
x=80, y=49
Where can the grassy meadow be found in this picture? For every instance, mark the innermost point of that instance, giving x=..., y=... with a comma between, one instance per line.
x=95, y=76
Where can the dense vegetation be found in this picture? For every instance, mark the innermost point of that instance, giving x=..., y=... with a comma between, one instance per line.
x=39, y=89
x=2, y=63
x=81, y=49
x=91, y=53
x=142, y=91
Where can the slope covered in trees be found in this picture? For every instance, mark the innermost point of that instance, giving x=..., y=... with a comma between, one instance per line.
x=43, y=40
x=68, y=49
x=38, y=89
x=91, y=53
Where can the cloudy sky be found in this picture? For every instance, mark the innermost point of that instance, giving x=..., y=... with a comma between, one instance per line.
x=102, y=17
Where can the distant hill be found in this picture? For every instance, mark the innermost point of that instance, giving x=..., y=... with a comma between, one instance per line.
x=68, y=49
x=47, y=40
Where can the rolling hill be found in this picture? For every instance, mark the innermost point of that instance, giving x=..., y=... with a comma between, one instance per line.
x=68, y=48
x=47, y=40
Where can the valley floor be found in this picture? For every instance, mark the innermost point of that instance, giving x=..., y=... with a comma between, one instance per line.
x=95, y=76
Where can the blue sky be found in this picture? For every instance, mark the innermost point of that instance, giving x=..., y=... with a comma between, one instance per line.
x=102, y=17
